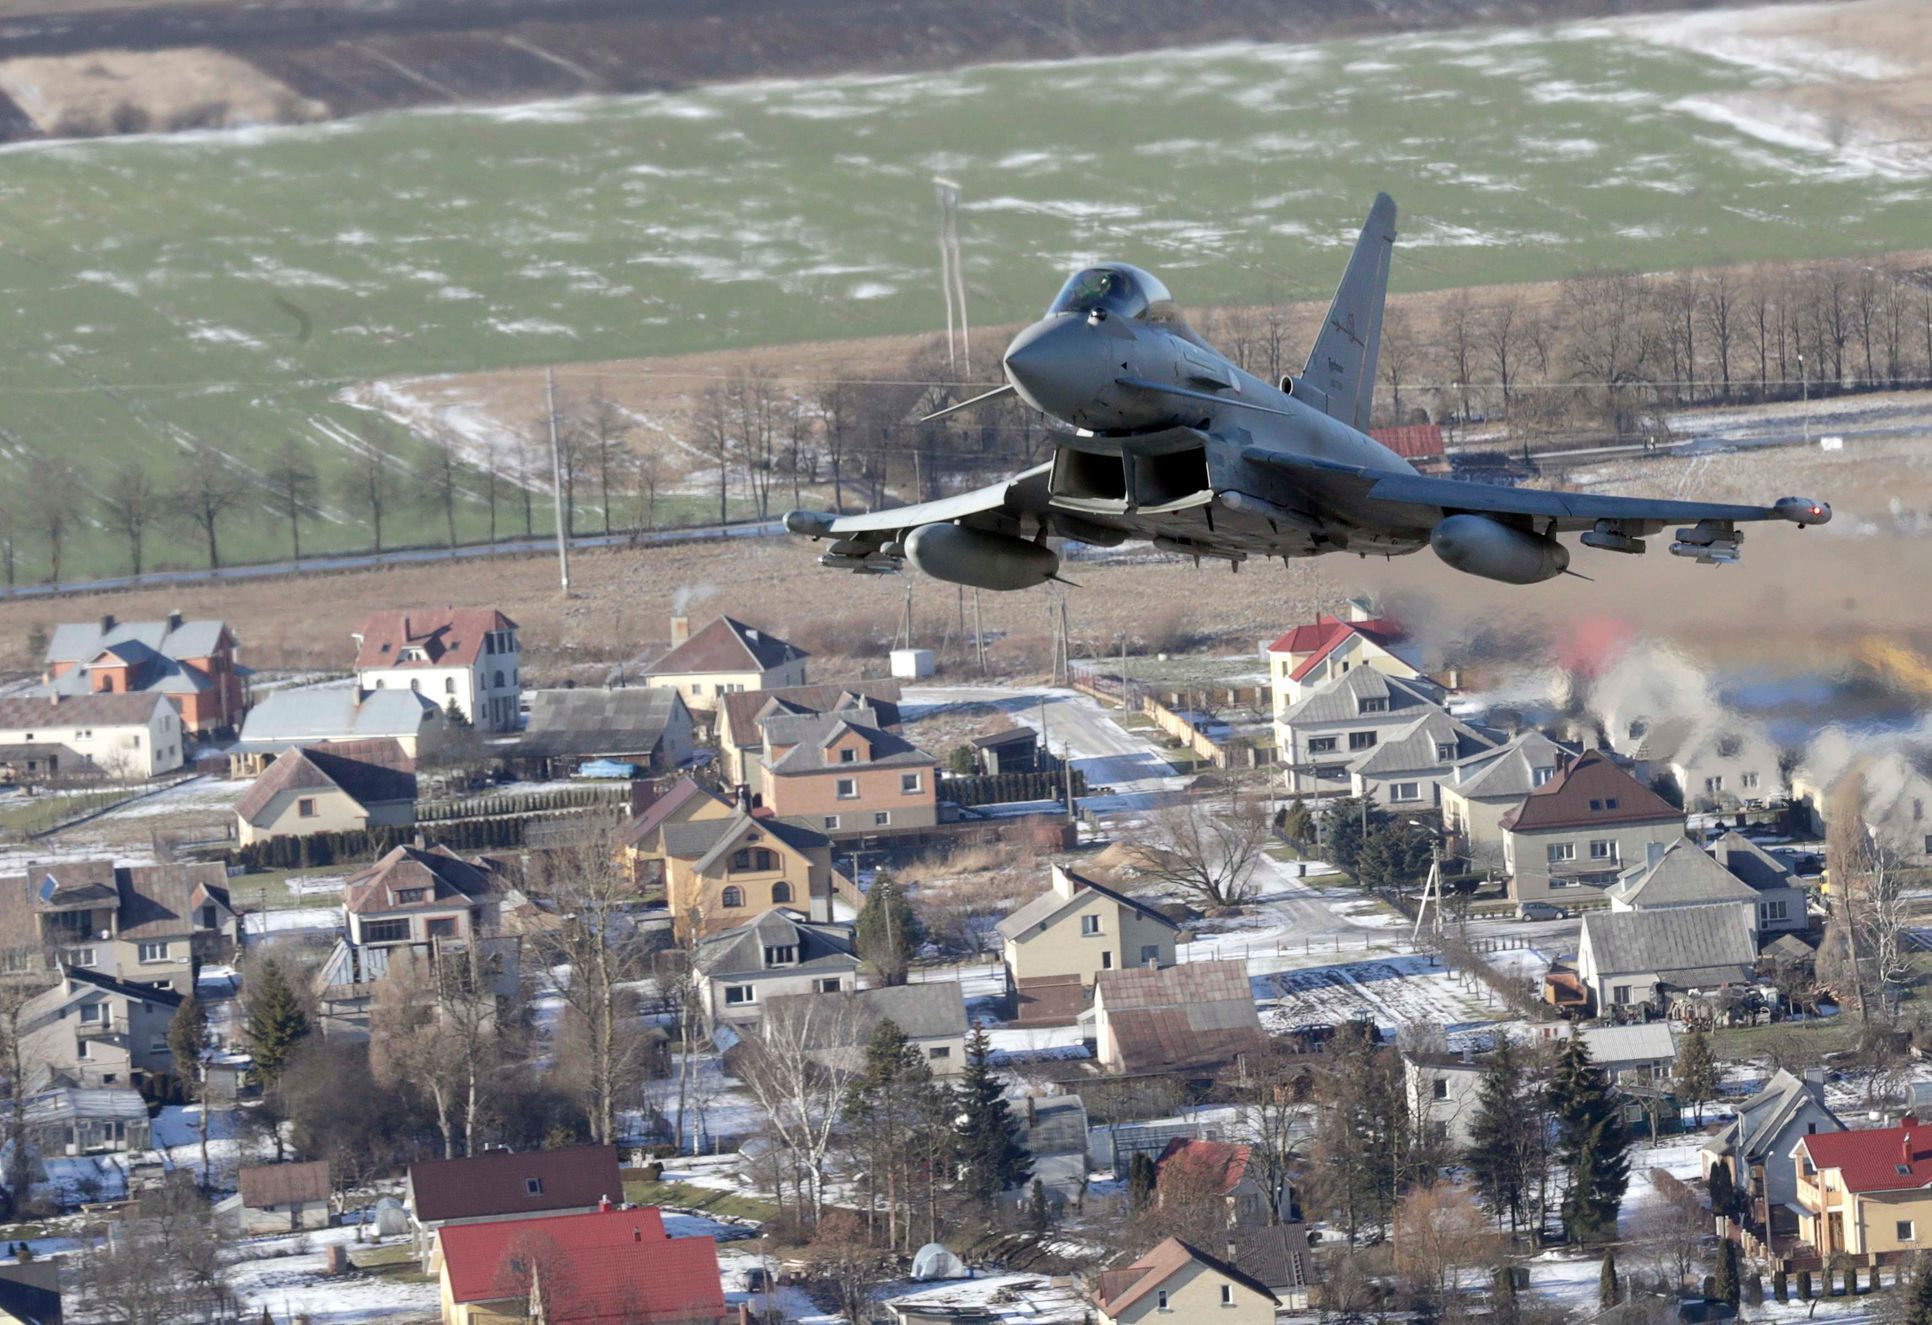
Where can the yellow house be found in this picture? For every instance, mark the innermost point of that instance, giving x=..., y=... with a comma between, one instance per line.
x=318, y=790
x=1075, y=930
x=718, y=865
x=727, y=657
x=1867, y=1195
x=1181, y=1283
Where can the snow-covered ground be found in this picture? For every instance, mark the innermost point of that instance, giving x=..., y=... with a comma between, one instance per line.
x=285, y=1276
x=1396, y=991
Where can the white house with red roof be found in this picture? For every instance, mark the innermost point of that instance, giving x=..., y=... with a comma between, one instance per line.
x=611, y=1266
x=466, y=657
x=1866, y=1194
x=1308, y=657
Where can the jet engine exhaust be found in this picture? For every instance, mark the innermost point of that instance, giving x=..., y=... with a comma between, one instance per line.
x=979, y=558
x=1477, y=545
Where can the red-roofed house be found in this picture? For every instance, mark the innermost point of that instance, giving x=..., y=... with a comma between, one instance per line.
x=1583, y=828
x=465, y=656
x=505, y=1184
x=1191, y=1169
x=1177, y=1282
x=1867, y=1195
x=1305, y=658
x=611, y=1266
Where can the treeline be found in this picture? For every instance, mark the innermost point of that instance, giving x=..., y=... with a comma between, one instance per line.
x=360, y=845
x=1612, y=348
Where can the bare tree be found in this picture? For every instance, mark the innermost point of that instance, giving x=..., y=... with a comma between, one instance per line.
x=1441, y=1235
x=291, y=486
x=407, y=1044
x=646, y=478
x=55, y=502
x=716, y=438
x=368, y=482
x=169, y=1273
x=1399, y=354
x=605, y=428
x=1210, y=849
x=799, y=1091
x=1847, y=844
x=211, y=488
x=19, y=1065
x=1719, y=309
x=1460, y=340
x=835, y=409
x=443, y=472
x=1607, y=345
x=755, y=440
x=1498, y=329
x=131, y=504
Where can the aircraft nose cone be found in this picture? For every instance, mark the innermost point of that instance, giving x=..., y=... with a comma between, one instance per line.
x=1055, y=364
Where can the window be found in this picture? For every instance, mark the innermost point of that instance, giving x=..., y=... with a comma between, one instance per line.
x=1321, y=745
x=881, y=818
x=385, y=931
x=1560, y=851
x=1773, y=910
x=1149, y=952
x=753, y=860
x=848, y=789
x=533, y=1186
x=93, y=1014
x=1227, y=1295
x=410, y=896
x=1089, y=925
x=1750, y=783
x=1603, y=850
x=159, y=1045
x=1361, y=740
x=1609, y=802
x=1595, y=804
x=1405, y=791
x=496, y=678
x=80, y=956
x=1107, y=960
x=1375, y=705
x=1714, y=783
x=1904, y=1230
x=153, y=952
x=82, y=1050
x=1542, y=773
x=848, y=755
x=416, y=685
x=829, y=985
x=449, y=685
x=732, y=897
x=781, y=954
x=1445, y=751
x=910, y=783
x=1161, y=1299
x=1620, y=995
x=305, y=808
x=736, y=996
x=1561, y=881
x=781, y=892
x=831, y=823
x=1439, y=1088
x=443, y=927
x=939, y=1052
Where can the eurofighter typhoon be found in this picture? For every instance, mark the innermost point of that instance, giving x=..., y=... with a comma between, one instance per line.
x=1171, y=444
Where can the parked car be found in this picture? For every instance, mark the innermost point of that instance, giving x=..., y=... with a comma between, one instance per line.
x=1540, y=911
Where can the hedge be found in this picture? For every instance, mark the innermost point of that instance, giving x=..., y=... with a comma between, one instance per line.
x=1005, y=788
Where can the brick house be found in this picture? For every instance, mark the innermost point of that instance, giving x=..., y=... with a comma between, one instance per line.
x=416, y=897
x=1581, y=829
x=145, y=924
x=468, y=657
x=742, y=740
x=846, y=775
x=193, y=663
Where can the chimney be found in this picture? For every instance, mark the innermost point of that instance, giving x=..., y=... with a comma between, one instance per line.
x=107, y=622
x=1654, y=852
x=744, y=798
x=174, y=620
x=603, y=1205
x=680, y=629
x=1905, y=1141
x=1815, y=1076
x=1032, y=1111
x=1063, y=885
x=637, y=1235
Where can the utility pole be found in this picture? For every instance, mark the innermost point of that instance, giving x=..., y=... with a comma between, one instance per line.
x=1124, y=705
x=1431, y=892
x=979, y=634
x=556, y=478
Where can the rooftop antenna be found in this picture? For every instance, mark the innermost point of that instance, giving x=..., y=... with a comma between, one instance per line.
x=952, y=278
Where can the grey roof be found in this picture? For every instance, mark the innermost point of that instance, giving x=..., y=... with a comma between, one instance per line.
x=1050, y=903
x=741, y=950
x=1340, y=700
x=930, y=1011
x=1764, y=1115
x=116, y=709
x=1752, y=863
x=1276, y=1255
x=80, y=641
x=297, y=769
x=587, y=722
x=1680, y=875
x=1414, y=748
x=815, y=731
x=331, y=713
x=703, y=840
x=1686, y=945
x=1053, y=1125
x=1508, y=772
x=68, y=1103
x=1644, y=1042
x=1663, y=739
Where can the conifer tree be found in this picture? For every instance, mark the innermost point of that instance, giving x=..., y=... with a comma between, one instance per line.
x=1918, y=1305
x=1728, y=1287
x=991, y=1158
x=1608, y=1294
x=1696, y=1072
x=891, y=1106
x=188, y=1044
x=1591, y=1146
x=1141, y=1178
x=275, y=1022
x=887, y=932
x=1502, y=1136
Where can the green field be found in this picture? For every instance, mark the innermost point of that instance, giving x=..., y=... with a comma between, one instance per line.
x=225, y=287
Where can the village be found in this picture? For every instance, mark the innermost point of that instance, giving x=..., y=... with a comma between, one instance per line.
x=1338, y=979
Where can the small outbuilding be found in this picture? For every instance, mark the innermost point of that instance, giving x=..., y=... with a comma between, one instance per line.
x=279, y=1198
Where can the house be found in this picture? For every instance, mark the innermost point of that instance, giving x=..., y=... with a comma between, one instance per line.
x=466, y=658
x=1278, y=1257
x=94, y=1030
x=347, y=980
x=726, y=657
x=417, y=897
x=30, y=1293
x=192, y=663
x=647, y=726
x=81, y=1120
x=1329, y=728
x=931, y=1016
x=1071, y=933
x=1866, y=1195
x=1308, y=657
x=996, y=1299
x=1184, y=1283
x=1780, y=895
x=718, y=863
x=1711, y=759
x=613, y=1265
x=1193, y=1168
x=1677, y=873
x=1638, y=1054
x=1579, y=829
x=318, y=790
x=129, y=737
x=1053, y=1129
x=1181, y=1017
x=1015, y=750
x=146, y=924
x=336, y=715
x=1629, y=958
x=38, y=764
x=506, y=1184
x=1407, y=766
x=279, y=1198
x=747, y=966
x=742, y=741
x=846, y=775
x=1756, y=1145
x=1481, y=788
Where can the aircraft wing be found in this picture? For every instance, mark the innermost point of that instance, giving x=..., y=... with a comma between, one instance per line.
x=995, y=506
x=1573, y=511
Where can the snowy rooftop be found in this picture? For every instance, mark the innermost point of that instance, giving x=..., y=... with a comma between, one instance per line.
x=1009, y=1299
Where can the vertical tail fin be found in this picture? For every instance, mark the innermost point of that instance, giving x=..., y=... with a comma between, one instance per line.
x=1341, y=366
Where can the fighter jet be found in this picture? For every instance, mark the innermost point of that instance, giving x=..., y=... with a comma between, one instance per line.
x=1166, y=441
